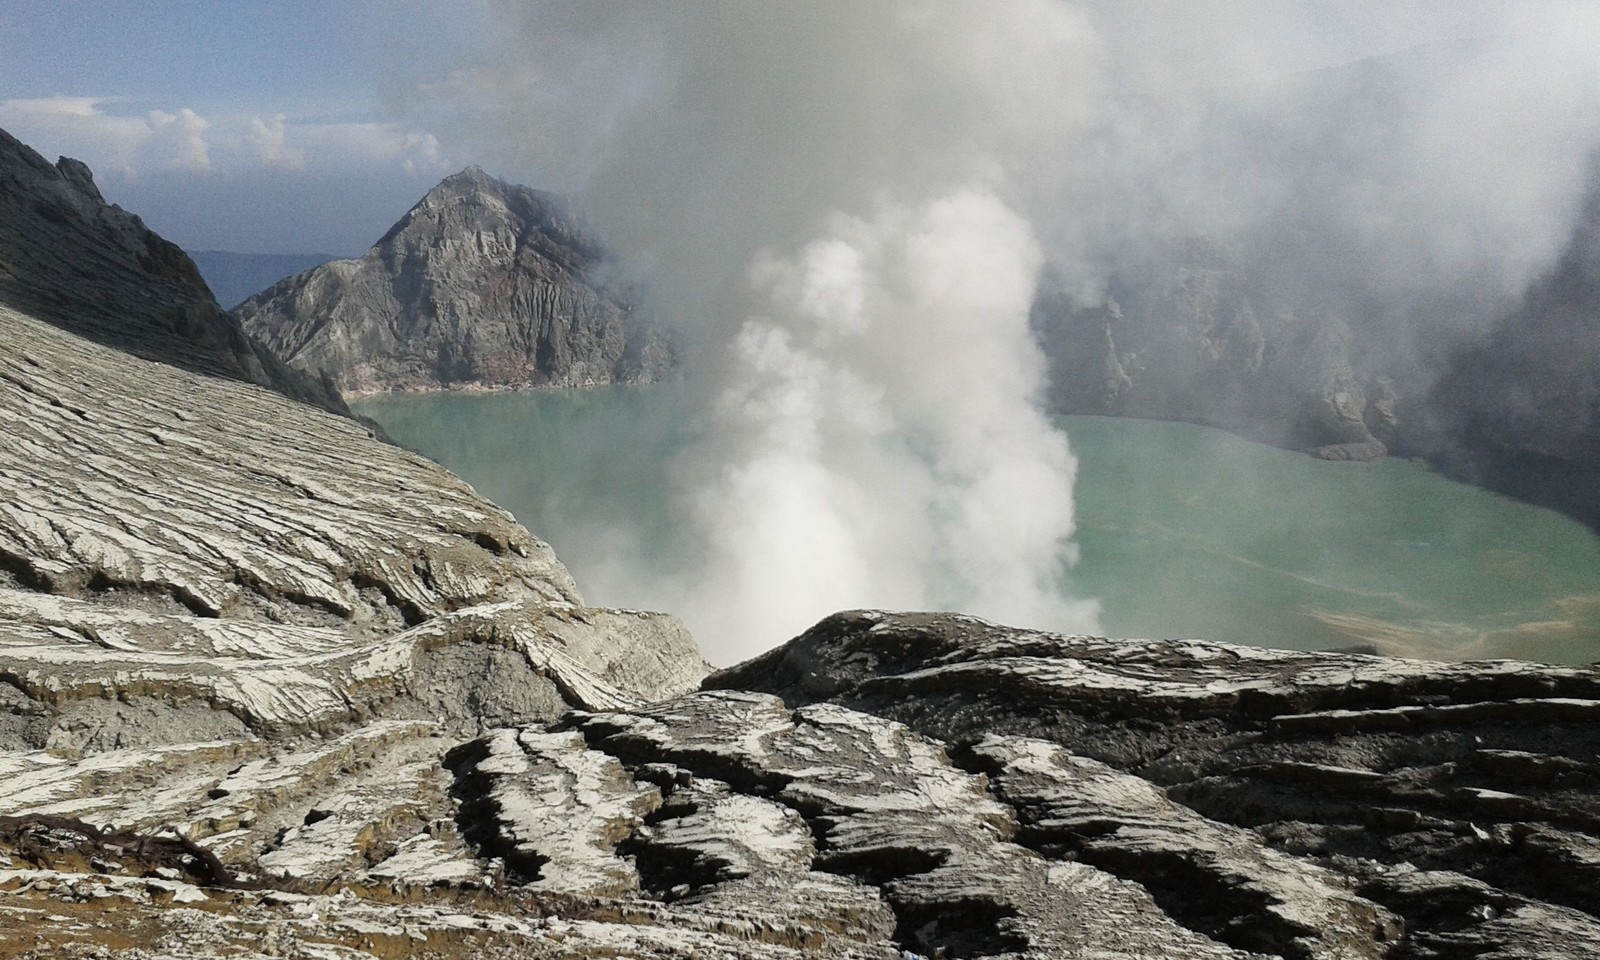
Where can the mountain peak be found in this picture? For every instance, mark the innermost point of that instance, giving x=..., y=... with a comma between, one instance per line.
x=473, y=177
x=482, y=283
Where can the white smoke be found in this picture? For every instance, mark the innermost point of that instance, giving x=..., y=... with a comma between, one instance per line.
x=831, y=200
x=876, y=439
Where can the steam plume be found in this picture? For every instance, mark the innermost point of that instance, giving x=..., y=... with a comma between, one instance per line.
x=825, y=195
x=875, y=438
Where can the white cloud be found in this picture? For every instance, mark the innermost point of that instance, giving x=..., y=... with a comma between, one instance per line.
x=371, y=144
x=180, y=138
x=269, y=138
x=114, y=144
x=134, y=146
x=125, y=145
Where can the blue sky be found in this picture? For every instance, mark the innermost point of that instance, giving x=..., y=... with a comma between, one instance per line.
x=258, y=127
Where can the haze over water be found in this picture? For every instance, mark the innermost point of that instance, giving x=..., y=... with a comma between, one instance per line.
x=1184, y=531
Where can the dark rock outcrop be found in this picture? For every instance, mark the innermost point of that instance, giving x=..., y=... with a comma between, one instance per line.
x=482, y=284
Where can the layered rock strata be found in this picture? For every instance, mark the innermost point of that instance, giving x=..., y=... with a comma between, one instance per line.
x=482, y=284
x=904, y=785
x=1439, y=810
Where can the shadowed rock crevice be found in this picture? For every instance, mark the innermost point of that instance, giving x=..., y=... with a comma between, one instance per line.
x=832, y=803
x=477, y=814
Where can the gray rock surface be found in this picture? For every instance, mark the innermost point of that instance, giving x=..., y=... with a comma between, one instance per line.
x=482, y=284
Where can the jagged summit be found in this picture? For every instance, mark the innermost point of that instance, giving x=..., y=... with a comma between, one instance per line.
x=473, y=174
x=482, y=283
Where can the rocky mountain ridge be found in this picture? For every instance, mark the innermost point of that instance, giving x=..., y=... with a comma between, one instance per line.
x=271, y=688
x=482, y=284
x=71, y=259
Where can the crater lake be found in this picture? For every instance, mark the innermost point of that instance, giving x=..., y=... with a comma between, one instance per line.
x=1183, y=531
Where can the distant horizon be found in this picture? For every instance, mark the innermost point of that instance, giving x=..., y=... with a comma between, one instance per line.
x=278, y=253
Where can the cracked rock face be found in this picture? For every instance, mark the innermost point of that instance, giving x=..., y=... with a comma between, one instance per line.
x=211, y=551
x=482, y=284
x=1297, y=804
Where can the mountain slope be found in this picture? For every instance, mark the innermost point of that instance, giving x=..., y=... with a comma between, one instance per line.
x=70, y=259
x=482, y=283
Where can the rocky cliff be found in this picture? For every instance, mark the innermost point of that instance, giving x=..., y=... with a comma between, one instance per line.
x=1518, y=410
x=482, y=284
x=1203, y=338
x=270, y=688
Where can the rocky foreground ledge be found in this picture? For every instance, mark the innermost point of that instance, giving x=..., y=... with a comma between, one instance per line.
x=887, y=785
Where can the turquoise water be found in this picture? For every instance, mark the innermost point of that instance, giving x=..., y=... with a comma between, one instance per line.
x=1184, y=531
